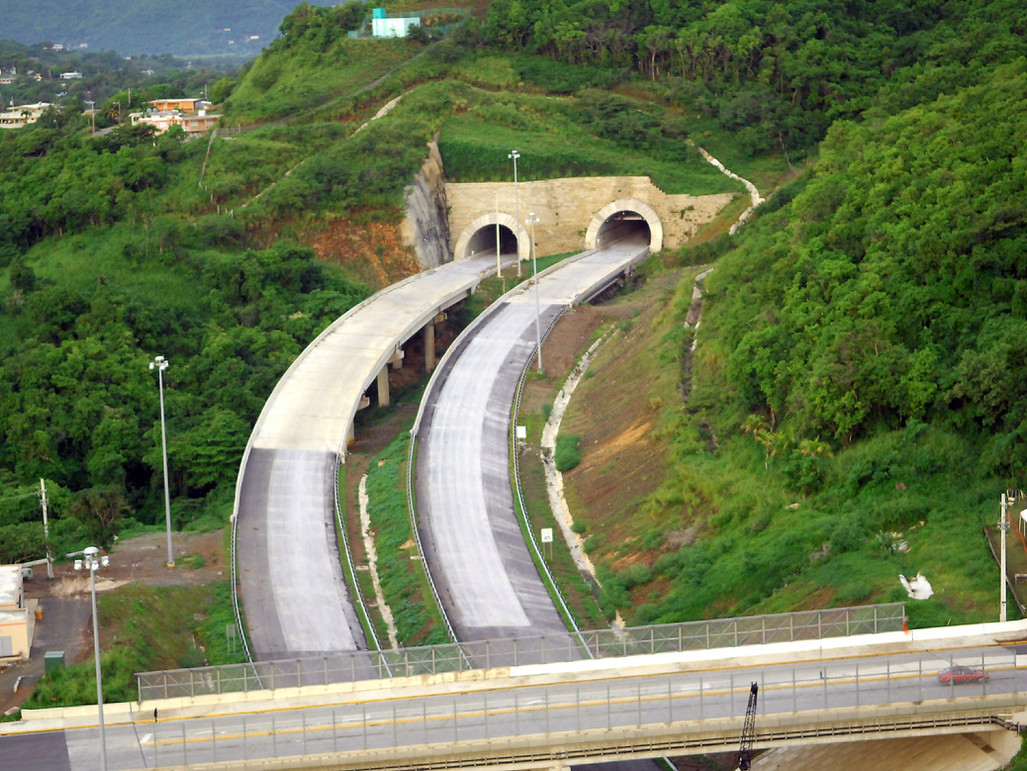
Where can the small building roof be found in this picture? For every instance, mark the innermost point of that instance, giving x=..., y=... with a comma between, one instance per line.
x=10, y=586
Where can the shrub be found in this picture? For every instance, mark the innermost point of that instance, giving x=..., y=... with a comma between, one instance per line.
x=567, y=454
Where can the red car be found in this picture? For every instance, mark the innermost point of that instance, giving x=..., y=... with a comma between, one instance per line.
x=960, y=674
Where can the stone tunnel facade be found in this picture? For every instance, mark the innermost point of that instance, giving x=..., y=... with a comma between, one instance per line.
x=572, y=210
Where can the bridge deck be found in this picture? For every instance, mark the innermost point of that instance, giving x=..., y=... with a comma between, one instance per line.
x=290, y=574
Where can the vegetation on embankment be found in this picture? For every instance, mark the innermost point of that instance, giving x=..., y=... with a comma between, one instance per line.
x=146, y=628
x=856, y=408
x=872, y=310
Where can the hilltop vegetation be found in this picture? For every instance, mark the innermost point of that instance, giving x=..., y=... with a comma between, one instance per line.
x=863, y=332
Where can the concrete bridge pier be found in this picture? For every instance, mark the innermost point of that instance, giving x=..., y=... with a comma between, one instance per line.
x=429, y=341
x=395, y=362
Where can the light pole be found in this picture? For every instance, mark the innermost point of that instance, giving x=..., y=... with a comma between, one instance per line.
x=517, y=208
x=92, y=563
x=532, y=219
x=1003, y=526
x=160, y=364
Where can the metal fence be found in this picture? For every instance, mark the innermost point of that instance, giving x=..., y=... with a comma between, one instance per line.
x=603, y=643
x=810, y=701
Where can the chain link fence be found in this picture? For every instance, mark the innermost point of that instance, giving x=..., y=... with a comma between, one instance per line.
x=486, y=654
x=623, y=714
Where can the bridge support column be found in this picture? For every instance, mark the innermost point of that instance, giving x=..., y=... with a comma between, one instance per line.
x=383, y=387
x=384, y=399
x=429, y=346
x=429, y=342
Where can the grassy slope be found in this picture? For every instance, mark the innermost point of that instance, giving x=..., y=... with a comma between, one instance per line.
x=690, y=518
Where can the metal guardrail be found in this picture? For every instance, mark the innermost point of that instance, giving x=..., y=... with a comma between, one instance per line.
x=552, y=648
x=522, y=509
x=359, y=605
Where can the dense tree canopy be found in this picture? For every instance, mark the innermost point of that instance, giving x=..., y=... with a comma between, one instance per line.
x=776, y=74
x=892, y=288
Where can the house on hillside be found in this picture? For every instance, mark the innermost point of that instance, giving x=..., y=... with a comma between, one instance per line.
x=382, y=26
x=190, y=114
x=182, y=104
x=20, y=115
x=161, y=120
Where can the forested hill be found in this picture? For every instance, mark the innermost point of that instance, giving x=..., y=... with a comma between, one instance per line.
x=239, y=28
x=863, y=336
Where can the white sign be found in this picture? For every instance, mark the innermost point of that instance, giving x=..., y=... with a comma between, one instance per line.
x=547, y=535
x=522, y=432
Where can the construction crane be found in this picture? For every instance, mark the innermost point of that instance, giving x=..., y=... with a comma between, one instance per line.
x=748, y=731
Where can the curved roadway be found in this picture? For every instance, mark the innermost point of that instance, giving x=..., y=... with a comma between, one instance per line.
x=469, y=529
x=290, y=576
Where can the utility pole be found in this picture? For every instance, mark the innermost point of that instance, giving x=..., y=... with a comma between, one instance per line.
x=46, y=529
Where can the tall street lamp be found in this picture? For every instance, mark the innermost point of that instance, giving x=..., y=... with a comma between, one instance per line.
x=1003, y=526
x=517, y=208
x=160, y=364
x=91, y=562
x=532, y=219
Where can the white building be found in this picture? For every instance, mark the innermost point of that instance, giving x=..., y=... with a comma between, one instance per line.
x=20, y=115
x=384, y=27
x=14, y=614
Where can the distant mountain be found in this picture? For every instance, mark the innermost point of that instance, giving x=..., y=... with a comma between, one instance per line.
x=183, y=28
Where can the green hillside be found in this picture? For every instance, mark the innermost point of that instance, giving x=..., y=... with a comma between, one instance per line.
x=860, y=349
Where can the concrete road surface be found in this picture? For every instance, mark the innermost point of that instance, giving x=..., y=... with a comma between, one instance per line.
x=469, y=530
x=294, y=595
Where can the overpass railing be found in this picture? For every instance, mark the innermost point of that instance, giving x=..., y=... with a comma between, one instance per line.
x=551, y=648
x=680, y=713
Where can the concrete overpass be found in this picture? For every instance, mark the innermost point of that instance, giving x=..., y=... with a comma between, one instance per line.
x=289, y=570
x=853, y=689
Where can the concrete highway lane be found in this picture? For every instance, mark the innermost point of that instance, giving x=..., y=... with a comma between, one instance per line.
x=469, y=529
x=294, y=594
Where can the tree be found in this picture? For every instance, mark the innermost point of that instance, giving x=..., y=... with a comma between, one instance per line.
x=99, y=509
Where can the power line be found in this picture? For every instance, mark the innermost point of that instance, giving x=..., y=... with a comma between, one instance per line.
x=15, y=497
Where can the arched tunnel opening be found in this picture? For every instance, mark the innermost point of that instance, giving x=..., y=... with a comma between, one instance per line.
x=625, y=225
x=484, y=241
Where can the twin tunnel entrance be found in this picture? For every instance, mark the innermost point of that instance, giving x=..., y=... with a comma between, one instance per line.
x=624, y=220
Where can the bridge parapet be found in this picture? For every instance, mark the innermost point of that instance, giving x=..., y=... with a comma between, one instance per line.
x=556, y=649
